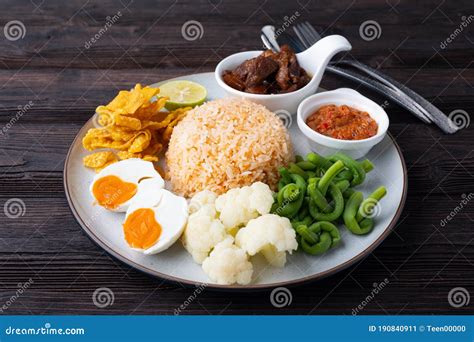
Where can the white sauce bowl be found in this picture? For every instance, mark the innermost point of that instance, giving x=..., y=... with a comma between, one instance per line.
x=325, y=145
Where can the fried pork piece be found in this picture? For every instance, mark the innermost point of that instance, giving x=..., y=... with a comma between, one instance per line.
x=232, y=80
x=268, y=73
x=260, y=68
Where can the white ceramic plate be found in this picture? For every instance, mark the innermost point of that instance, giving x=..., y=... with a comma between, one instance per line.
x=175, y=264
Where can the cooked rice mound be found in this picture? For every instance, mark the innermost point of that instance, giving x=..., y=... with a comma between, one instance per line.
x=225, y=144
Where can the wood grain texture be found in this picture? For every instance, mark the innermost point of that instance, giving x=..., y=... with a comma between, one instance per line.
x=422, y=260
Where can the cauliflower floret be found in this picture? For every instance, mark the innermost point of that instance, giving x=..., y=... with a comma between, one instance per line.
x=269, y=234
x=202, y=233
x=206, y=210
x=238, y=206
x=261, y=198
x=203, y=230
x=228, y=264
x=202, y=198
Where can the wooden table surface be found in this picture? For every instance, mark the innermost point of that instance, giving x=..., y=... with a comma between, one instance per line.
x=52, y=77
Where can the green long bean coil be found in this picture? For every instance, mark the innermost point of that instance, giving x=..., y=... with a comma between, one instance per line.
x=285, y=175
x=304, y=210
x=369, y=207
x=304, y=222
x=349, y=215
x=318, y=160
x=344, y=175
x=367, y=165
x=295, y=169
x=348, y=193
x=317, y=197
x=318, y=237
x=358, y=173
x=317, y=190
x=306, y=165
x=290, y=198
x=336, y=209
x=281, y=184
x=329, y=175
x=289, y=193
x=343, y=185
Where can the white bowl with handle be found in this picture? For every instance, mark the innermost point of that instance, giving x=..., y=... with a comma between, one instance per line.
x=314, y=60
x=325, y=145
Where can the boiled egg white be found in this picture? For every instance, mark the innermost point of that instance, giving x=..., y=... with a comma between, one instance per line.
x=116, y=185
x=155, y=219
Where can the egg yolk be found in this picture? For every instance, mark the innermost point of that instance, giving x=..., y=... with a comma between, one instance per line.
x=141, y=229
x=111, y=191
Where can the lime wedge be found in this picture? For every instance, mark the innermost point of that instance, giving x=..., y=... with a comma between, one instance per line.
x=183, y=94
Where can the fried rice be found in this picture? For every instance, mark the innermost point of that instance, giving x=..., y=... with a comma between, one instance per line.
x=225, y=144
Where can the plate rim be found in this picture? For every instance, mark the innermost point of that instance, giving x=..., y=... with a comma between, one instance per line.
x=366, y=252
